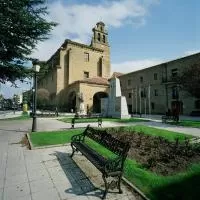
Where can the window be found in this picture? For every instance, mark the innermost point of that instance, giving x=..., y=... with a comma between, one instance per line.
x=130, y=109
x=175, y=94
x=152, y=105
x=104, y=39
x=99, y=37
x=99, y=70
x=141, y=79
x=174, y=72
x=143, y=93
x=155, y=76
x=129, y=95
x=197, y=104
x=129, y=82
x=86, y=57
x=156, y=92
x=86, y=74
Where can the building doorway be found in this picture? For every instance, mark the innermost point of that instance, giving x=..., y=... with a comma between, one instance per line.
x=72, y=101
x=97, y=101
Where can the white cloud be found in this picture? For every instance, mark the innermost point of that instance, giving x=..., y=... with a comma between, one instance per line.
x=190, y=52
x=134, y=65
x=77, y=20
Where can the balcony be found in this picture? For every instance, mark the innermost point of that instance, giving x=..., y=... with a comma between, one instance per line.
x=169, y=80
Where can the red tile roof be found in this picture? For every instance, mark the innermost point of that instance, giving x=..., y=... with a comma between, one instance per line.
x=94, y=80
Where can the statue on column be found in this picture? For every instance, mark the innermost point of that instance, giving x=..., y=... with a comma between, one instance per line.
x=81, y=108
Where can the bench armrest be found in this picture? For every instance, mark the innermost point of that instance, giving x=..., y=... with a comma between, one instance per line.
x=114, y=165
x=77, y=138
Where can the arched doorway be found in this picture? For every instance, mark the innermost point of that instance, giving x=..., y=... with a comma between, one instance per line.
x=72, y=101
x=97, y=101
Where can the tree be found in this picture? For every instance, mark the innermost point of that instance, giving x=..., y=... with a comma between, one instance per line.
x=190, y=80
x=42, y=97
x=23, y=24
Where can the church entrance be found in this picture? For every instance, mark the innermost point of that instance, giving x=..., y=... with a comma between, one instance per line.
x=97, y=101
x=72, y=101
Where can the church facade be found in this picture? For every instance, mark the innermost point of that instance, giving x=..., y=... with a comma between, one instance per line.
x=77, y=71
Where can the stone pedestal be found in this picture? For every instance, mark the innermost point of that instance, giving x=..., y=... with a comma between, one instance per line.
x=115, y=105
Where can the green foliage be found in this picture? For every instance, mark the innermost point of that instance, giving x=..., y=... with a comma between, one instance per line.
x=23, y=24
x=42, y=97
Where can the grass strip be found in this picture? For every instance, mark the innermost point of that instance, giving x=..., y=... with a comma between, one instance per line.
x=21, y=117
x=187, y=123
x=168, y=135
x=84, y=120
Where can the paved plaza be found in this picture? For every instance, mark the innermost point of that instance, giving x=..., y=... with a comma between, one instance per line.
x=50, y=173
x=47, y=173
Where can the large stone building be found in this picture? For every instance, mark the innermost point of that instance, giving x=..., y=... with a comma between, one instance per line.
x=79, y=71
x=152, y=90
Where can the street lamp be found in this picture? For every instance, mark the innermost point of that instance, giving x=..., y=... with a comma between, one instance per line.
x=36, y=69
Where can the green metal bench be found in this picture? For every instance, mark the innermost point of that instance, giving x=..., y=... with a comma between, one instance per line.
x=108, y=167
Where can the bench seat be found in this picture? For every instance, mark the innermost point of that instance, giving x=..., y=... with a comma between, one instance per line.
x=97, y=160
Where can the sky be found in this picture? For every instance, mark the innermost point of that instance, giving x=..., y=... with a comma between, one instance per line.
x=142, y=33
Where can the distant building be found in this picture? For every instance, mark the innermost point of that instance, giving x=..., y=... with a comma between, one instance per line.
x=152, y=90
x=77, y=69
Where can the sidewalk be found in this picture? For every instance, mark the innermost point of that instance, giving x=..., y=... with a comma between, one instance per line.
x=47, y=174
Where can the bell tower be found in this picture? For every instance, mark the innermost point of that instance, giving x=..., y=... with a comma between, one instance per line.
x=100, y=36
x=100, y=41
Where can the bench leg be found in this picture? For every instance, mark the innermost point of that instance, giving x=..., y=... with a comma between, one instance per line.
x=73, y=150
x=119, y=184
x=106, y=187
x=99, y=125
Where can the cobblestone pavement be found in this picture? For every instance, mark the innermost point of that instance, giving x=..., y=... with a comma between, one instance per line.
x=47, y=173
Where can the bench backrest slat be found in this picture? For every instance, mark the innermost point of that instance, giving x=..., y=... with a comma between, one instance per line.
x=108, y=141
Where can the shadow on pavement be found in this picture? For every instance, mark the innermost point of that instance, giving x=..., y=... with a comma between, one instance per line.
x=79, y=181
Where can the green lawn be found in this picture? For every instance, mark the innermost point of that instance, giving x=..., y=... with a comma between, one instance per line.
x=180, y=186
x=189, y=123
x=53, y=137
x=169, y=135
x=22, y=117
x=82, y=120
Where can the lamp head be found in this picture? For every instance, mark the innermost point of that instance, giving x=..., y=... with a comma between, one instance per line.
x=36, y=68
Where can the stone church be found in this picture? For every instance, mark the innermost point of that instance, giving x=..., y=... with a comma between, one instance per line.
x=79, y=71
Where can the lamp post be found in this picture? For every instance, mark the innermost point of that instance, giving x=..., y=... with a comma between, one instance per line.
x=36, y=69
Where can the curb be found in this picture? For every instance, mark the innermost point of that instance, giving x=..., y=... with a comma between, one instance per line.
x=43, y=147
x=134, y=188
